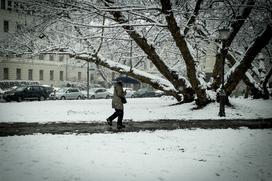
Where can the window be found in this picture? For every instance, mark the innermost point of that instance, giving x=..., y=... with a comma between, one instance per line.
x=74, y=90
x=51, y=74
x=61, y=58
x=51, y=57
x=3, y=4
x=79, y=75
x=18, y=74
x=6, y=26
x=41, y=57
x=61, y=75
x=30, y=74
x=41, y=74
x=6, y=73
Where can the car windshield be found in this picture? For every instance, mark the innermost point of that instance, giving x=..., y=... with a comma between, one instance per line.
x=143, y=90
x=61, y=90
x=93, y=90
x=20, y=88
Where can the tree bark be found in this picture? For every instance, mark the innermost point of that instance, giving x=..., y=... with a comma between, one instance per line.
x=255, y=90
x=267, y=77
x=239, y=72
x=181, y=43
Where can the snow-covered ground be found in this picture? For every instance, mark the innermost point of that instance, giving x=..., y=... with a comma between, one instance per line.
x=161, y=155
x=141, y=109
x=224, y=154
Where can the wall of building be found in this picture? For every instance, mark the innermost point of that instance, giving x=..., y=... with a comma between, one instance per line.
x=73, y=72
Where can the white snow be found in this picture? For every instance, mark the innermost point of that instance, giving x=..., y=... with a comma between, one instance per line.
x=138, y=109
x=224, y=154
x=161, y=155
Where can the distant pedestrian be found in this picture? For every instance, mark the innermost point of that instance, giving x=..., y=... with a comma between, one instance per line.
x=118, y=101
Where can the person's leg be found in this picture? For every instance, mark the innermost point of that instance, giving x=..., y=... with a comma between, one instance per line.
x=112, y=117
x=120, y=117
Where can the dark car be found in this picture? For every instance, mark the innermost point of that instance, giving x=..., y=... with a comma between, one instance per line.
x=144, y=93
x=34, y=92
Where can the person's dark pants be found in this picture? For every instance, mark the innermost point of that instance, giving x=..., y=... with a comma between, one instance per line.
x=118, y=113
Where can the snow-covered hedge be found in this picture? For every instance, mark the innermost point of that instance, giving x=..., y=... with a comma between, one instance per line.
x=7, y=84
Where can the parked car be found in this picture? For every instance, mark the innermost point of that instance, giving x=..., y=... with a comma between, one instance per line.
x=31, y=92
x=159, y=93
x=98, y=93
x=129, y=92
x=144, y=92
x=1, y=94
x=49, y=89
x=67, y=93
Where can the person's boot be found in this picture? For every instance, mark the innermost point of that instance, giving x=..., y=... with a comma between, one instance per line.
x=109, y=122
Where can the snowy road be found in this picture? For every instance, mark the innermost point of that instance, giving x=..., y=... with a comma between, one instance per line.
x=212, y=155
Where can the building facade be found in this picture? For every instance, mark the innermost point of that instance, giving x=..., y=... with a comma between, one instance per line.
x=50, y=69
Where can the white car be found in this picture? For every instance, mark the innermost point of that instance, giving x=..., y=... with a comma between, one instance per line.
x=67, y=93
x=98, y=93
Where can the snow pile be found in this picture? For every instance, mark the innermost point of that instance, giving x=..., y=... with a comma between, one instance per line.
x=138, y=109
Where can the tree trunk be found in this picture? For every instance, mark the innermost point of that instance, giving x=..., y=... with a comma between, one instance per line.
x=193, y=17
x=255, y=90
x=267, y=77
x=181, y=43
x=235, y=28
x=239, y=21
x=239, y=72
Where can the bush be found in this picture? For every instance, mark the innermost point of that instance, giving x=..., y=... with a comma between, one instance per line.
x=7, y=84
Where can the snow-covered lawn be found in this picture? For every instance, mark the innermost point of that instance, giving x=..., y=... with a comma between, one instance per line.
x=141, y=109
x=161, y=155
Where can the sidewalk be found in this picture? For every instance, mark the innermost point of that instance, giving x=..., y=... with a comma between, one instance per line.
x=23, y=128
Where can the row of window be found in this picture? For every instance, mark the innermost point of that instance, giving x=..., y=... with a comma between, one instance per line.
x=41, y=74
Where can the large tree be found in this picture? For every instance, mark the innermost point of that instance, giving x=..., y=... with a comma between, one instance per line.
x=172, y=35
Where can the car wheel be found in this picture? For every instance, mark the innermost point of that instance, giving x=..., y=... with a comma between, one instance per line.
x=62, y=98
x=42, y=98
x=19, y=99
x=132, y=96
x=79, y=97
x=107, y=97
x=92, y=97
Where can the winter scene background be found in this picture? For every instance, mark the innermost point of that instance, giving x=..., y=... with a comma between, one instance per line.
x=184, y=60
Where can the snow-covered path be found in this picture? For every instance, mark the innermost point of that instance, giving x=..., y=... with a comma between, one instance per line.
x=161, y=155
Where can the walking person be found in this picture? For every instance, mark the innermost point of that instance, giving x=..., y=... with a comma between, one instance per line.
x=118, y=105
